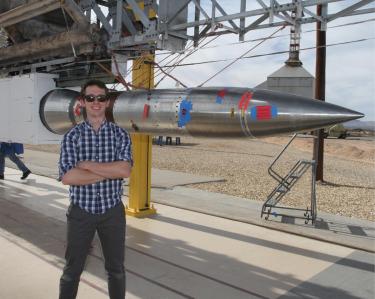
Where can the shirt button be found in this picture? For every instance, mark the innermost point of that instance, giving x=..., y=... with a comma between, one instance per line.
x=97, y=157
x=97, y=144
x=98, y=194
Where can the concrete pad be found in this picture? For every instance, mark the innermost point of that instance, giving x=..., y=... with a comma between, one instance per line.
x=168, y=189
x=28, y=272
x=322, y=285
x=174, y=254
x=355, y=233
x=168, y=179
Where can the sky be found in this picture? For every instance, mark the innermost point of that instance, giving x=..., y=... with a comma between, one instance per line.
x=350, y=68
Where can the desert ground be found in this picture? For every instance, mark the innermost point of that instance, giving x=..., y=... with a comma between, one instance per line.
x=349, y=169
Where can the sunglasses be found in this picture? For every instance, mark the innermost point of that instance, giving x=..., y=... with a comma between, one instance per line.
x=91, y=98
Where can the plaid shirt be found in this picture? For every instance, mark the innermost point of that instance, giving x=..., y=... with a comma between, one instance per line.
x=82, y=143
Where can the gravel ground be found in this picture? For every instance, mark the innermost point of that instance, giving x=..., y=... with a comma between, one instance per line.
x=349, y=173
x=349, y=170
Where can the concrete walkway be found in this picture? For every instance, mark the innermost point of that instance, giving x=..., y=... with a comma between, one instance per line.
x=168, y=189
x=180, y=253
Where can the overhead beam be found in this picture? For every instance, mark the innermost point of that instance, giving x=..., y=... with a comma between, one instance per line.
x=242, y=21
x=45, y=44
x=139, y=12
x=222, y=11
x=179, y=11
x=128, y=22
x=349, y=9
x=276, y=9
x=27, y=11
x=256, y=23
x=102, y=18
x=76, y=13
x=197, y=4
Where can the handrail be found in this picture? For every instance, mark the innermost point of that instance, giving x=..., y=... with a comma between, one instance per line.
x=271, y=171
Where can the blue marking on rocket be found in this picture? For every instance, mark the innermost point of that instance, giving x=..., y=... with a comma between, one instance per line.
x=184, y=114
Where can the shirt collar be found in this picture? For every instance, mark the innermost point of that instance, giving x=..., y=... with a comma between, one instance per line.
x=88, y=125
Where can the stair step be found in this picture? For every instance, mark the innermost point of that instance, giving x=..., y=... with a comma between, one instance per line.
x=281, y=190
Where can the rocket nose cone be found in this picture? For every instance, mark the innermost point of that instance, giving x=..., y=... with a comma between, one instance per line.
x=296, y=114
x=341, y=114
x=351, y=114
x=326, y=114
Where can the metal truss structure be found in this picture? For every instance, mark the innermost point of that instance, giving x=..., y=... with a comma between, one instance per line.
x=81, y=38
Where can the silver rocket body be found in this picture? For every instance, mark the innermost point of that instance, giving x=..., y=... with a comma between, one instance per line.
x=208, y=112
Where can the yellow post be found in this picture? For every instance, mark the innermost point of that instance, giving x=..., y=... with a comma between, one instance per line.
x=140, y=179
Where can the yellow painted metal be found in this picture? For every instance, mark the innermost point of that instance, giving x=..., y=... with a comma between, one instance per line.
x=141, y=4
x=140, y=179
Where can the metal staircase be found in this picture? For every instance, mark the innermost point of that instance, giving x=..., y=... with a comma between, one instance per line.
x=285, y=184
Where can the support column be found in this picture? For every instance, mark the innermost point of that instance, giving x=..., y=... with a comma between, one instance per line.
x=140, y=179
x=320, y=81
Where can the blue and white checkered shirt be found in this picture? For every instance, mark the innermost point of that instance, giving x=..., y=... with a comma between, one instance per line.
x=82, y=143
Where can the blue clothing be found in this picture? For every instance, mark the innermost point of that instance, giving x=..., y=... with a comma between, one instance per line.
x=10, y=150
x=111, y=143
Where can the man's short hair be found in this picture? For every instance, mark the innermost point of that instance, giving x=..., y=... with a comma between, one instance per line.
x=94, y=82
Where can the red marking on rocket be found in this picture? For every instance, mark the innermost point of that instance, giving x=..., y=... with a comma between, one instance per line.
x=77, y=109
x=245, y=100
x=222, y=93
x=263, y=112
x=146, y=110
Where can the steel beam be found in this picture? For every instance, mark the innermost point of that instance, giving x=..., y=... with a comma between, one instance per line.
x=254, y=25
x=27, y=11
x=242, y=21
x=76, y=13
x=349, y=9
x=38, y=65
x=128, y=23
x=139, y=12
x=102, y=18
x=196, y=28
x=283, y=8
x=45, y=44
x=222, y=11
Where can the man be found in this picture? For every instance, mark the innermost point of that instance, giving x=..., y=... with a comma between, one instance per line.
x=11, y=150
x=95, y=157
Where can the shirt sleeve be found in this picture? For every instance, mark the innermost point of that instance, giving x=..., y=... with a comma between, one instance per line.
x=125, y=148
x=68, y=154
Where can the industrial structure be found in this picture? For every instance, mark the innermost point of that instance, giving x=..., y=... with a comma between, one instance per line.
x=94, y=39
x=70, y=41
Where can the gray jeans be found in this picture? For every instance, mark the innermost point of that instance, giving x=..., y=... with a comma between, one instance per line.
x=80, y=233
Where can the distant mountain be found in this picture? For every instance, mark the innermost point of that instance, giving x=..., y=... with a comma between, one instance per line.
x=360, y=124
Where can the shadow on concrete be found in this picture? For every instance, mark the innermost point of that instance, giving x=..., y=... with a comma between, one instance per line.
x=48, y=234
x=330, y=184
x=268, y=244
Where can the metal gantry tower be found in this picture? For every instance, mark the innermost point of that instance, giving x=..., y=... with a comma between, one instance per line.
x=70, y=37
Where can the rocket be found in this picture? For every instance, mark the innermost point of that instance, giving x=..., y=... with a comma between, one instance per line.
x=208, y=112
